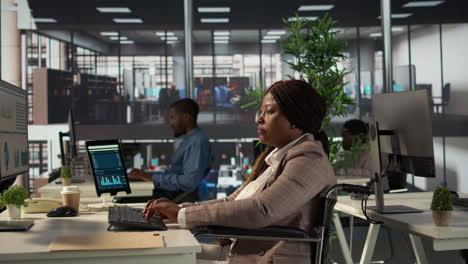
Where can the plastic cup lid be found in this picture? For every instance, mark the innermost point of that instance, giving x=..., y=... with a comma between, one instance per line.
x=70, y=189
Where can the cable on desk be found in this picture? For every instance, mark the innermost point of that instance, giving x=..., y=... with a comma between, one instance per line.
x=386, y=172
x=364, y=211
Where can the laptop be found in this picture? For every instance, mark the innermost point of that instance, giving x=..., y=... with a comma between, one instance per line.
x=6, y=226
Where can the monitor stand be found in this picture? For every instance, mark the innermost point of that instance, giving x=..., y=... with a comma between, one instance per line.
x=395, y=209
x=103, y=206
x=106, y=203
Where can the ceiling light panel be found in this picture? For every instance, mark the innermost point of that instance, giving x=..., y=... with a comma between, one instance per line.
x=404, y=15
x=170, y=38
x=128, y=20
x=422, y=3
x=271, y=37
x=222, y=33
x=214, y=20
x=109, y=33
x=220, y=42
x=117, y=38
x=268, y=41
x=221, y=37
x=276, y=32
x=214, y=9
x=113, y=9
x=315, y=7
x=45, y=20
x=399, y=16
x=127, y=42
x=379, y=34
x=302, y=18
x=162, y=34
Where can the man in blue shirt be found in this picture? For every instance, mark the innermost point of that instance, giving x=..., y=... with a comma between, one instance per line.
x=192, y=158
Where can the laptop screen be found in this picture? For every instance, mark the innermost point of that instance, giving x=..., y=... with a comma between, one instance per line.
x=107, y=167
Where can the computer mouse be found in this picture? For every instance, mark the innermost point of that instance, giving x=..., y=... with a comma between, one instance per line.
x=62, y=211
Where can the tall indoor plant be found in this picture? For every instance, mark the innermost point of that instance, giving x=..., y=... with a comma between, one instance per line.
x=316, y=52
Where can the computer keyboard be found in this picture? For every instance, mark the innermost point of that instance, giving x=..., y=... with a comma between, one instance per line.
x=128, y=218
x=459, y=201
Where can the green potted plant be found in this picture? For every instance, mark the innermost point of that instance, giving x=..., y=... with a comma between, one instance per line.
x=13, y=199
x=65, y=175
x=441, y=206
x=316, y=53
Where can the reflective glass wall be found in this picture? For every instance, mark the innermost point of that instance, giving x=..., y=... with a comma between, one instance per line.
x=146, y=76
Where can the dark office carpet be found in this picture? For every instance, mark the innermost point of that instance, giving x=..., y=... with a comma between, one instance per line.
x=392, y=247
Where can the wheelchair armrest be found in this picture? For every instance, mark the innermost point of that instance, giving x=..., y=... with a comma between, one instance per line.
x=266, y=233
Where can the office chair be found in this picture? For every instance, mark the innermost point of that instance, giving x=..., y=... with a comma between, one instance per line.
x=319, y=235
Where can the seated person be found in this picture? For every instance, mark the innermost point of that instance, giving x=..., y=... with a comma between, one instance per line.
x=356, y=158
x=285, y=185
x=192, y=158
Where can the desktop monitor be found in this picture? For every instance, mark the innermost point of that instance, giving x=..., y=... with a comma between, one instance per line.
x=73, y=149
x=401, y=134
x=72, y=135
x=107, y=166
x=14, y=158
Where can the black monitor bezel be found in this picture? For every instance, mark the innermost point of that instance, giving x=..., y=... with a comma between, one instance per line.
x=96, y=184
x=17, y=90
x=72, y=135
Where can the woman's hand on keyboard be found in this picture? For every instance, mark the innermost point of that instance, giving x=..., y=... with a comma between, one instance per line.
x=165, y=209
x=152, y=203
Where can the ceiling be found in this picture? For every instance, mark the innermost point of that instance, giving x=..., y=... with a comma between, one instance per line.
x=243, y=14
x=246, y=18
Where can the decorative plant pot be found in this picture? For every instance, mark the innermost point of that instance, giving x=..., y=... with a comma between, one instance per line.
x=13, y=211
x=66, y=181
x=441, y=218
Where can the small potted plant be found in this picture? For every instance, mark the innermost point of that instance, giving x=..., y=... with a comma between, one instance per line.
x=13, y=199
x=441, y=206
x=65, y=175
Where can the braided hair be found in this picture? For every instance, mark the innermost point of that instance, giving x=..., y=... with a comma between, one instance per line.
x=303, y=107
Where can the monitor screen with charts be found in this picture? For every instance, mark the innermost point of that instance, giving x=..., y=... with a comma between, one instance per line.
x=107, y=167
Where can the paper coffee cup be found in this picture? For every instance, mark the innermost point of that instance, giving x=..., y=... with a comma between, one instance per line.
x=71, y=196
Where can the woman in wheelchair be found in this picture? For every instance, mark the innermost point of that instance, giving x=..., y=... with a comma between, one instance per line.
x=285, y=185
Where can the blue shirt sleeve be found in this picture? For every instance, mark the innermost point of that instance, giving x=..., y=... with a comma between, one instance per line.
x=196, y=161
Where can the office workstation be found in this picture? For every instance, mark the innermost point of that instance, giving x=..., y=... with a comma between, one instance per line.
x=160, y=117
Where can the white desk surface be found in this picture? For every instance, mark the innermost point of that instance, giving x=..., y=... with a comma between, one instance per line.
x=32, y=245
x=420, y=224
x=88, y=189
x=358, y=180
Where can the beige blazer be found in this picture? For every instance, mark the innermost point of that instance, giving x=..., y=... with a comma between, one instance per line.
x=290, y=198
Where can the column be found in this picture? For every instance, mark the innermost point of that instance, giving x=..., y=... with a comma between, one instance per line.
x=10, y=44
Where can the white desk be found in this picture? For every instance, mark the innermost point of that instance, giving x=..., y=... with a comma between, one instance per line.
x=356, y=180
x=32, y=246
x=417, y=225
x=88, y=190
